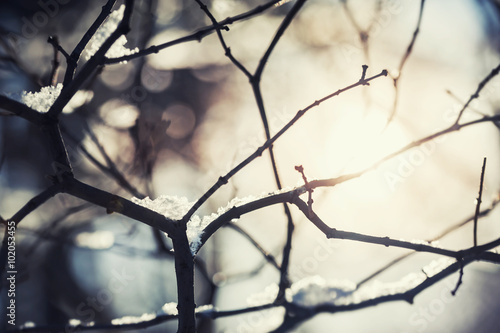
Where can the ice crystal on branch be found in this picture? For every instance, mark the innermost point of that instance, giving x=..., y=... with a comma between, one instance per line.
x=42, y=100
x=118, y=49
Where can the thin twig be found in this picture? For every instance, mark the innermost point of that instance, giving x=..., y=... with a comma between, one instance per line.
x=53, y=40
x=57, y=148
x=293, y=197
x=196, y=36
x=110, y=169
x=72, y=60
x=387, y=241
x=113, y=169
x=363, y=35
x=445, y=232
x=28, y=208
x=453, y=128
x=409, y=49
x=70, y=88
x=457, y=99
x=460, y=277
x=244, y=275
x=402, y=63
x=227, y=50
x=279, y=33
x=478, y=203
x=268, y=256
x=255, y=83
x=310, y=200
x=52, y=225
x=494, y=72
x=36, y=202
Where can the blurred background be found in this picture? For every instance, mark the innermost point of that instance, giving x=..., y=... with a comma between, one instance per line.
x=173, y=122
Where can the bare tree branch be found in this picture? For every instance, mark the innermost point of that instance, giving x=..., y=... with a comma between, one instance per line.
x=255, y=82
x=387, y=242
x=224, y=179
x=90, y=66
x=20, y=110
x=445, y=232
x=402, y=63
x=54, y=41
x=303, y=313
x=185, y=259
x=268, y=256
x=494, y=72
x=196, y=36
x=116, y=204
x=28, y=208
x=110, y=168
x=72, y=60
x=478, y=204
x=451, y=129
x=36, y=202
x=218, y=30
x=460, y=277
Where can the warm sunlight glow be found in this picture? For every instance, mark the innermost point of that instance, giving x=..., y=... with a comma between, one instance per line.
x=359, y=140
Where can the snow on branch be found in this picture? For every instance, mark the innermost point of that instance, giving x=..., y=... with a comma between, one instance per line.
x=118, y=49
x=314, y=291
x=133, y=319
x=175, y=208
x=42, y=100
